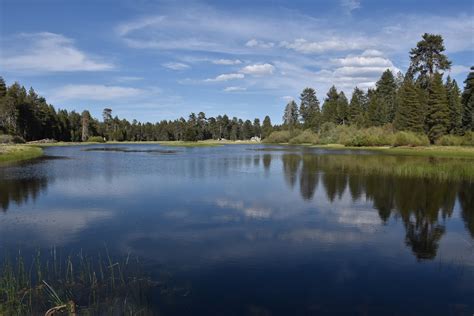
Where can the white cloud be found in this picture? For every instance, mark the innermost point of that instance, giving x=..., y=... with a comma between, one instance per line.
x=350, y=5
x=176, y=66
x=234, y=89
x=94, y=92
x=204, y=28
x=304, y=46
x=126, y=28
x=50, y=52
x=226, y=77
x=368, y=64
x=227, y=62
x=372, y=53
x=128, y=78
x=258, y=69
x=459, y=69
x=259, y=44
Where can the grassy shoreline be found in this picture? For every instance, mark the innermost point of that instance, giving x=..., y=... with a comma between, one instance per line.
x=16, y=153
x=427, y=151
x=203, y=143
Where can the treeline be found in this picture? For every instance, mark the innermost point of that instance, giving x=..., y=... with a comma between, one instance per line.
x=419, y=101
x=23, y=113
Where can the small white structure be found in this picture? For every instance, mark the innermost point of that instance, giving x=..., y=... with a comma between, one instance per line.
x=256, y=139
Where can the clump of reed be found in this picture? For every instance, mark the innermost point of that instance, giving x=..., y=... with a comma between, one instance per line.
x=50, y=283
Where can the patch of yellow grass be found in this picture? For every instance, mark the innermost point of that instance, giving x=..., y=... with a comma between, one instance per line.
x=13, y=153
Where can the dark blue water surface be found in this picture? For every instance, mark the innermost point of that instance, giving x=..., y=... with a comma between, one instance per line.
x=254, y=230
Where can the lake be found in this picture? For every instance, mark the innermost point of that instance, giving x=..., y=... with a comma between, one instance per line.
x=255, y=229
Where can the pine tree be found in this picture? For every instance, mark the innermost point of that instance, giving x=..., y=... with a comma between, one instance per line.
x=387, y=96
x=3, y=88
x=309, y=109
x=247, y=130
x=267, y=127
x=428, y=58
x=437, y=118
x=468, y=103
x=342, y=109
x=375, y=112
x=290, y=117
x=257, y=129
x=454, y=106
x=399, y=79
x=356, y=111
x=409, y=115
x=329, y=110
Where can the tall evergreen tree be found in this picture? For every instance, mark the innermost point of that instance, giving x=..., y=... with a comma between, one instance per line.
x=75, y=125
x=342, y=109
x=267, y=127
x=387, y=96
x=309, y=109
x=357, y=108
x=257, y=129
x=427, y=58
x=247, y=130
x=409, y=115
x=329, y=110
x=399, y=79
x=437, y=118
x=376, y=113
x=3, y=88
x=290, y=116
x=468, y=103
x=454, y=106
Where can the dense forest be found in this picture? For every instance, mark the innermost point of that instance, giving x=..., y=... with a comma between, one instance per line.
x=421, y=101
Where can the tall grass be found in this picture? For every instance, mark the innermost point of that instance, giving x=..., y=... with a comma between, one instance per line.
x=13, y=153
x=76, y=282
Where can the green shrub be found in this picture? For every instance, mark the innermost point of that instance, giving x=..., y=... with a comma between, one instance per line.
x=10, y=139
x=373, y=136
x=328, y=133
x=282, y=136
x=468, y=139
x=278, y=137
x=96, y=139
x=450, y=140
x=306, y=137
x=410, y=139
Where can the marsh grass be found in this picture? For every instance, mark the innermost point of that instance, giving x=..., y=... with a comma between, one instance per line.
x=443, y=169
x=89, y=285
x=14, y=153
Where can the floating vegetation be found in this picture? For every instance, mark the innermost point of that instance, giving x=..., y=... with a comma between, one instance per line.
x=127, y=150
x=52, y=284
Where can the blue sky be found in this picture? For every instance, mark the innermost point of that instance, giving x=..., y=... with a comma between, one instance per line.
x=152, y=60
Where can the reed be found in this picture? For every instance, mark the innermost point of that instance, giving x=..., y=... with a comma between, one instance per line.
x=49, y=282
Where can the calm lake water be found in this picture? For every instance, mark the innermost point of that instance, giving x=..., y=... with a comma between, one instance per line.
x=255, y=230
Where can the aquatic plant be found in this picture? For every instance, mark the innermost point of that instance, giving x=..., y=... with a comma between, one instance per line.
x=50, y=282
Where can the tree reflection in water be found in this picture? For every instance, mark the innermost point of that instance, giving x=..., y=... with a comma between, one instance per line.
x=422, y=200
